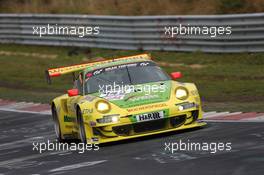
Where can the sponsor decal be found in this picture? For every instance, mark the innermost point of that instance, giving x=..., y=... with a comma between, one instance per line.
x=139, y=98
x=68, y=119
x=87, y=111
x=102, y=70
x=150, y=116
x=144, y=64
x=115, y=94
x=147, y=107
x=97, y=72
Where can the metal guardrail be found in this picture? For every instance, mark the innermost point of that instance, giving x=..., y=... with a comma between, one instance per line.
x=139, y=32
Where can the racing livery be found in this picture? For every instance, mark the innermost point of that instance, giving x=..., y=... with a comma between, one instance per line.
x=123, y=98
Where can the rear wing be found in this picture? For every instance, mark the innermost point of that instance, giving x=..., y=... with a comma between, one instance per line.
x=55, y=72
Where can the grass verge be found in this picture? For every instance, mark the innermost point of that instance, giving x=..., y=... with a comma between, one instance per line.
x=135, y=7
x=227, y=82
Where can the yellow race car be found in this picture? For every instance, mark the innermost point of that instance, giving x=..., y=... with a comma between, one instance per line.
x=123, y=98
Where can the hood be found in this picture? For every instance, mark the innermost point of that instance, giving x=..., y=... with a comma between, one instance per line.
x=137, y=95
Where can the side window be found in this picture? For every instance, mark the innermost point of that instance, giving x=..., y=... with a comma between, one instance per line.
x=78, y=83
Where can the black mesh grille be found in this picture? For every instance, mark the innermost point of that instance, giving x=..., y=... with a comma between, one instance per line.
x=123, y=130
x=177, y=121
x=140, y=127
x=149, y=126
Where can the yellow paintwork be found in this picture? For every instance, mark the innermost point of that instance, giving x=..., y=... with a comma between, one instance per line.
x=66, y=106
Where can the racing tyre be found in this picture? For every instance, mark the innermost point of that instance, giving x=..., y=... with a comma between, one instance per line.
x=56, y=124
x=82, y=132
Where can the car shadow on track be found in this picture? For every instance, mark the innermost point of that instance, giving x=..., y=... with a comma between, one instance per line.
x=152, y=137
x=143, y=138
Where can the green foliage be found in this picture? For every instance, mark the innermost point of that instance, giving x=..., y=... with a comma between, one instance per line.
x=231, y=5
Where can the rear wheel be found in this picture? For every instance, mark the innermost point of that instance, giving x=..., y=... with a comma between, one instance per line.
x=56, y=122
x=82, y=132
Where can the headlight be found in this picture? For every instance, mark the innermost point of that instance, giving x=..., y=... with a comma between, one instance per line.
x=181, y=93
x=109, y=119
x=102, y=106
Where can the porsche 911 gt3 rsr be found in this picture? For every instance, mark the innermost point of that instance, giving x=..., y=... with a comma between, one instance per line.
x=123, y=98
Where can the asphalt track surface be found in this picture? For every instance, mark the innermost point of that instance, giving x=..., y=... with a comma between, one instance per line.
x=139, y=156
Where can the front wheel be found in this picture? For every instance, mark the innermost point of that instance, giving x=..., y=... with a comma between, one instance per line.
x=82, y=132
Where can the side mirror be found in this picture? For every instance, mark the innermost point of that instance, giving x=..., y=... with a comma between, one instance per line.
x=176, y=75
x=73, y=92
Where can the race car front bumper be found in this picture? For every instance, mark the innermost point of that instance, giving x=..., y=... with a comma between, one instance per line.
x=182, y=120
